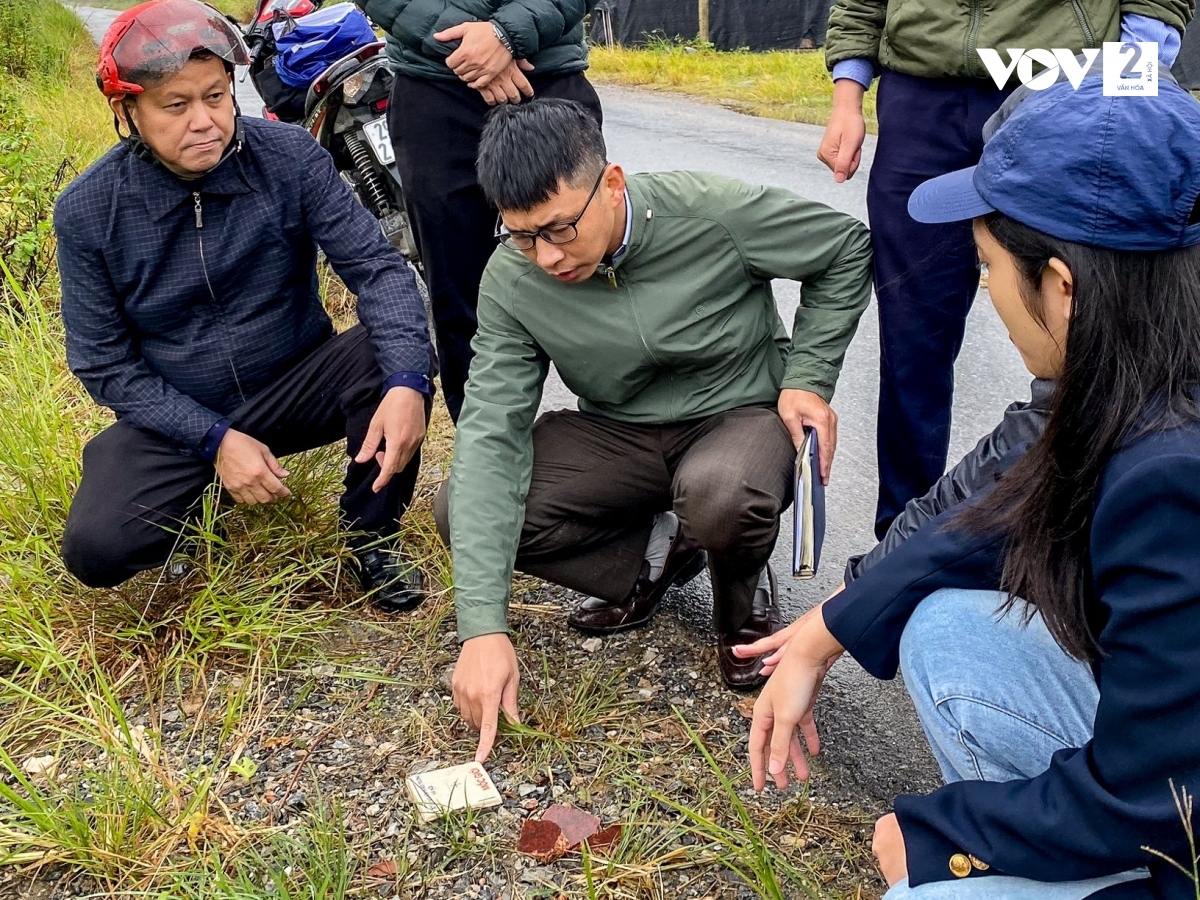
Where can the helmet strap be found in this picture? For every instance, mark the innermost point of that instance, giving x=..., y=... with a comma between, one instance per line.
x=133, y=140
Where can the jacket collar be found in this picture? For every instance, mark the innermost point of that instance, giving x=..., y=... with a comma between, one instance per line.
x=639, y=203
x=162, y=191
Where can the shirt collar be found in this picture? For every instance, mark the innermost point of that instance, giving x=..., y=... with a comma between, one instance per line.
x=628, y=228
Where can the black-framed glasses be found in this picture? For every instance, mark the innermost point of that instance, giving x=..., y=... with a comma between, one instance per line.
x=559, y=233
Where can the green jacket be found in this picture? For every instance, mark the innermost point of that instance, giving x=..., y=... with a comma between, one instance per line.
x=939, y=38
x=683, y=326
x=547, y=33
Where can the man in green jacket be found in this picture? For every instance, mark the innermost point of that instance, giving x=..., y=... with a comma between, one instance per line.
x=652, y=297
x=455, y=59
x=934, y=96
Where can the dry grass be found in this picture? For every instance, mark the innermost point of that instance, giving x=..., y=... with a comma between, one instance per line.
x=154, y=738
x=784, y=84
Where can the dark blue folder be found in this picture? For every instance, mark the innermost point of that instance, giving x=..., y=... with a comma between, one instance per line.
x=808, y=513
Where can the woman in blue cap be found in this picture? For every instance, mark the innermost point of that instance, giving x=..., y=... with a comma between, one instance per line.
x=1049, y=629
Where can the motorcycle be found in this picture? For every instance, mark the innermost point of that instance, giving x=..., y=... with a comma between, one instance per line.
x=281, y=102
x=346, y=111
x=344, y=108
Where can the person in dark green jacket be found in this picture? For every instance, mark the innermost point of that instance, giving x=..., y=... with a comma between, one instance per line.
x=652, y=297
x=934, y=96
x=454, y=60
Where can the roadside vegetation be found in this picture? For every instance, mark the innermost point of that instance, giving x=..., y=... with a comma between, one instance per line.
x=783, y=84
x=242, y=730
x=241, y=10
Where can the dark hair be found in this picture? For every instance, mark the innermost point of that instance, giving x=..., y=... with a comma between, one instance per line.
x=529, y=149
x=1131, y=366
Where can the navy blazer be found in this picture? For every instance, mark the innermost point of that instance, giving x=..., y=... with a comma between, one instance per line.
x=1096, y=808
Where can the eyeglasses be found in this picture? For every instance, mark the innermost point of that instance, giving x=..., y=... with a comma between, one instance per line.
x=561, y=233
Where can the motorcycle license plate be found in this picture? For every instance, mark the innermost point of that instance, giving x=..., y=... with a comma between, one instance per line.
x=380, y=140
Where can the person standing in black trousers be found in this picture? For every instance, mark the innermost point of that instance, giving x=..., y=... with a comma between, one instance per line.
x=454, y=61
x=934, y=97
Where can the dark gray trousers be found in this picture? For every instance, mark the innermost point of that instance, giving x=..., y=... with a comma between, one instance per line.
x=598, y=483
x=138, y=488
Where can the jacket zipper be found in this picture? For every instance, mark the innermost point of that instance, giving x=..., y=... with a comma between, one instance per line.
x=972, y=38
x=1088, y=34
x=199, y=208
x=200, y=237
x=612, y=280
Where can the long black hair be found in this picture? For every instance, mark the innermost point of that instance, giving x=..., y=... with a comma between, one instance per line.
x=1132, y=365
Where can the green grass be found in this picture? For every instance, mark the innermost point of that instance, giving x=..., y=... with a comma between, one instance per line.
x=36, y=38
x=241, y=10
x=95, y=786
x=783, y=84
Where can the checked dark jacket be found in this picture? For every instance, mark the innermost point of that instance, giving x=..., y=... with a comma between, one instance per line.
x=182, y=299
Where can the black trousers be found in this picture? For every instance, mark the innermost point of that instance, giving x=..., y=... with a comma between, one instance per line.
x=926, y=276
x=597, y=485
x=435, y=127
x=138, y=488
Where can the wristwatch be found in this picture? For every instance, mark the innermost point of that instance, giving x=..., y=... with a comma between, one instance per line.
x=502, y=38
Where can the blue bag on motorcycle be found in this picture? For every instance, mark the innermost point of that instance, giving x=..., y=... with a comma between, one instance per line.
x=307, y=46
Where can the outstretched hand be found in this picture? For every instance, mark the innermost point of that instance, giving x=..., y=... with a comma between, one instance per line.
x=486, y=680
x=775, y=644
x=786, y=703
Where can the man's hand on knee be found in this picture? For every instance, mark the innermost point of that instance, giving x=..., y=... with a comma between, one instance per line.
x=801, y=408
x=486, y=679
x=399, y=426
x=249, y=471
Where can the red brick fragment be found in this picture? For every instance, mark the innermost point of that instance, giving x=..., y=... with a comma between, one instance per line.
x=605, y=840
x=576, y=825
x=385, y=868
x=544, y=841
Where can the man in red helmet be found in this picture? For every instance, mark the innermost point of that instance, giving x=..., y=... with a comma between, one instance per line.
x=188, y=258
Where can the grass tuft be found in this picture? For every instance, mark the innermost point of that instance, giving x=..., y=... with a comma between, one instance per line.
x=792, y=85
x=239, y=727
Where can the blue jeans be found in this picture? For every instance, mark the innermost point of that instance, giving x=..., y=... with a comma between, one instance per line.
x=996, y=699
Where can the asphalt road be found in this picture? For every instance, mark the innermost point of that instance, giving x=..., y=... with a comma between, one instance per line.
x=873, y=745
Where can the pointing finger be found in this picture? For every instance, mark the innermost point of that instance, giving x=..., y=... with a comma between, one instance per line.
x=487, y=728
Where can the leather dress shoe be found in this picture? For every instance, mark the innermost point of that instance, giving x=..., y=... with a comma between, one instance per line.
x=685, y=560
x=391, y=580
x=764, y=620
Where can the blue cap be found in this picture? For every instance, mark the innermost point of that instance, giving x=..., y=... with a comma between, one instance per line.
x=1120, y=172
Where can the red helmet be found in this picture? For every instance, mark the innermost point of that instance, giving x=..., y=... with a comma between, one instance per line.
x=154, y=40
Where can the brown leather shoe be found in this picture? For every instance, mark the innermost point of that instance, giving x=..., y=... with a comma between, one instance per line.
x=746, y=674
x=685, y=560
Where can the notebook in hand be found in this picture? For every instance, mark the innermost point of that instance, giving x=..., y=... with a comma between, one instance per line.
x=457, y=787
x=808, y=514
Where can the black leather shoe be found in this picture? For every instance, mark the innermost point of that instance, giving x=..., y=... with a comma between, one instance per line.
x=391, y=580
x=685, y=560
x=763, y=621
